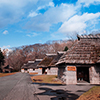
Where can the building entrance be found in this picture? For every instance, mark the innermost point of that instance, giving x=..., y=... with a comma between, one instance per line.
x=82, y=74
x=44, y=70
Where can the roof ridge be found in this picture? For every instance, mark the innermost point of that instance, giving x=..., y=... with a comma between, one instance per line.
x=89, y=36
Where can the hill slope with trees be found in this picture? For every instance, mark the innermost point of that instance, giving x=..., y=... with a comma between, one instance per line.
x=23, y=54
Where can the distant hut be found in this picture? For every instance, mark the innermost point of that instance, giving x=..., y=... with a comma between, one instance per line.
x=47, y=65
x=33, y=67
x=44, y=64
x=25, y=67
x=7, y=69
x=81, y=63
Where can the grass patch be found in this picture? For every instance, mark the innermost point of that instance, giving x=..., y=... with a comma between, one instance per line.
x=33, y=73
x=6, y=74
x=51, y=79
x=92, y=94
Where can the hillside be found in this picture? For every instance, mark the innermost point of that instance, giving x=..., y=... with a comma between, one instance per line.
x=23, y=54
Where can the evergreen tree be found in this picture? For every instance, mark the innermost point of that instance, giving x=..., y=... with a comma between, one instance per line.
x=66, y=48
x=1, y=59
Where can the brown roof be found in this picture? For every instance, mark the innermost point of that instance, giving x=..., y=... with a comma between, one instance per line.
x=7, y=67
x=47, y=60
x=57, y=57
x=34, y=65
x=23, y=66
x=27, y=65
x=85, y=51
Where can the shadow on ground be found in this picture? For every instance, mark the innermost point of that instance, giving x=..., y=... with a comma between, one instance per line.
x=49, y=84
x=58, y=94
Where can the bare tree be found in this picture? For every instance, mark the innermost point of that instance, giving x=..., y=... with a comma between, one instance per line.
x=23, y=54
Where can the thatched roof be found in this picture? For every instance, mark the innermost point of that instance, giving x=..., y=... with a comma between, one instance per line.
x=7, y=67
x=47, y=60
x=24, y=66
x=97, y=36
x=34, y=65
x=27, y=65
x=57, y=57
x=31, y=64
x=85, y=51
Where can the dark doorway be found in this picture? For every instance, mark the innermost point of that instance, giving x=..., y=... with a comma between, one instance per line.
x=83, y=74
x=6, y=71
x=25, y=69
x=44, y=71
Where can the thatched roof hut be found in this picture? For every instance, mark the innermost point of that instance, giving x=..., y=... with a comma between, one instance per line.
x=81, y=63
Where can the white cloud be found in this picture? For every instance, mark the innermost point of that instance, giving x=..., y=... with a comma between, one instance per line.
x=35, y=13
x=12, y=11
x=53, y=15
x=32, y=35
x=5, y=32
x=35, y=26
x=77, y=24
x=17, y=3
x=32, y=14
x=88, y=2
x=51, y=4
x=45, y=5
x=68, y=27
x=28, y=35
x=60, y=13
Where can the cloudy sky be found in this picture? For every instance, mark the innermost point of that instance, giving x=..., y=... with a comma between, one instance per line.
x=25, y=22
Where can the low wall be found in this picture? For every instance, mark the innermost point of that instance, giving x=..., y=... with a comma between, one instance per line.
x=52, y=71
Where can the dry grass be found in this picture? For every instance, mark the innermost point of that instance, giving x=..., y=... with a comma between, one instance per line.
x=92, y=94
x=51, y=79
x=33, y=73
x=6, y=74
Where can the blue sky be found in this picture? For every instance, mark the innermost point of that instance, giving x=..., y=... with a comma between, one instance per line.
x=26, y=22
